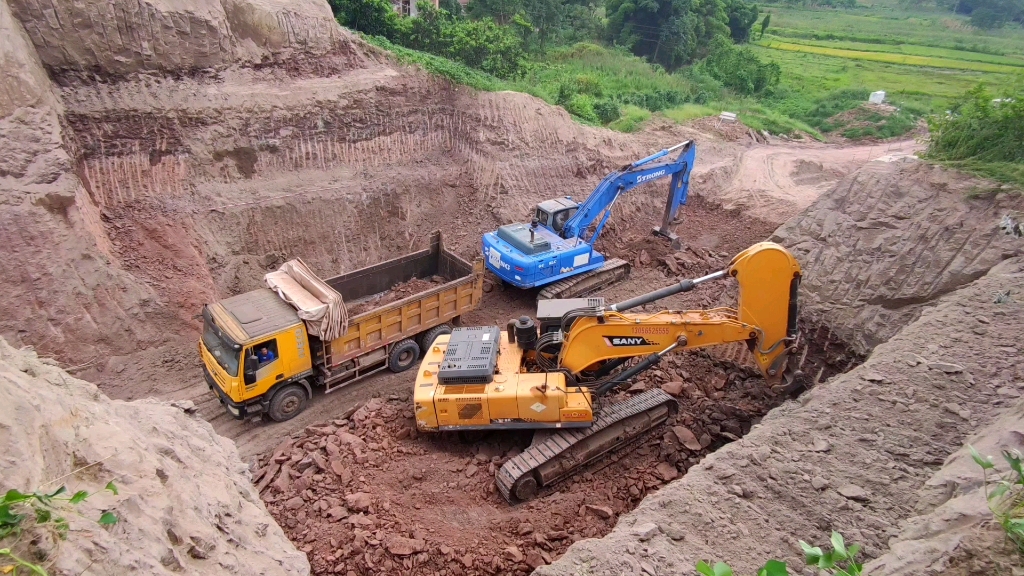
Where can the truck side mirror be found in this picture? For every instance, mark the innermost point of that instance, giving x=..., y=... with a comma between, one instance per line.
x=252, y=364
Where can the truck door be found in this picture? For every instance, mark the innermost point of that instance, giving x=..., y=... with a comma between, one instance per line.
x=270, y=367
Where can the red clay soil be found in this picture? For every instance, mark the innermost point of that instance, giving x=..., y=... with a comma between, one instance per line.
x=367, y=494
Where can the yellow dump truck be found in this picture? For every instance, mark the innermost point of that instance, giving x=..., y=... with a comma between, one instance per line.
x=263, y=351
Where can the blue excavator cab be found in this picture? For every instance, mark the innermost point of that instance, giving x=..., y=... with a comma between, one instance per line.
x=559, y=241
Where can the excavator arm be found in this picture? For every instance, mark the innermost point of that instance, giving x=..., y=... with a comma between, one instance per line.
x=600, y=202
x=765, y=318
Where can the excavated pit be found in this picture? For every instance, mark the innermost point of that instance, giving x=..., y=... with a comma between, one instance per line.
x=174, y=154
x=427, y=504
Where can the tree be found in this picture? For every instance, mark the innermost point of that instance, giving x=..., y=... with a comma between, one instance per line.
x=452, y=7
x=481, y=44
x=373, y=17
x=987, y=19
x=764, y=23
x=739, y=69
x=502, y=11
x=671, y=33
x=741, y=18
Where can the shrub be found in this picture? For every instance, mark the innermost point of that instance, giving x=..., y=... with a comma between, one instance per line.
x=739, y=69
x=841, y=560
x=454, y=71
x=582, y=106
x=24, y=518
x=981, y=135
x=607, y=111
x=653, y=100
x=978, y=128
x=1004, y=494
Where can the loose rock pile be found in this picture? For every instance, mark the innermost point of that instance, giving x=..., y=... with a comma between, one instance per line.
x=368, y=494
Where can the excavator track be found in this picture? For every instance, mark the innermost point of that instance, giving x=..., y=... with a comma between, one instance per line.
x=565, y=452
x=613, y=271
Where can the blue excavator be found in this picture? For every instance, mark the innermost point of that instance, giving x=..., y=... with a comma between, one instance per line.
x=556, y=250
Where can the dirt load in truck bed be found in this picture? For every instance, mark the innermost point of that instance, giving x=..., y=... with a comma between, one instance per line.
x=396, y=293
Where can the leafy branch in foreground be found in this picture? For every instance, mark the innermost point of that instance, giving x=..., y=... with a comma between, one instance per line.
x=38, y=512
x=1006, y=498
x=839, y=561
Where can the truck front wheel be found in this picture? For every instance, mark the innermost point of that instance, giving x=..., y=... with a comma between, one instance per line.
x=404, y=355
x=287, y=403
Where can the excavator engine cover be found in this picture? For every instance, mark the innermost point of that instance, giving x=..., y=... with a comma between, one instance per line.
x=471, y=356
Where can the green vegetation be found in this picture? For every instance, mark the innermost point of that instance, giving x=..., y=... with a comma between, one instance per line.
x=37, y=515
x=1005, y=497
x=896, y=58
x=807, y=70
x=841, y=560
x=982, y=134
x=739, y=69
x=631, y=120
x=454, y=71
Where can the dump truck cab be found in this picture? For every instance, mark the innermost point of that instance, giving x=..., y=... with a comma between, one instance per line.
x=247, y=380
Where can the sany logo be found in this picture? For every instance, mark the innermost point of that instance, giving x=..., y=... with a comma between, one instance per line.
x=627, y=341
x=650, y=176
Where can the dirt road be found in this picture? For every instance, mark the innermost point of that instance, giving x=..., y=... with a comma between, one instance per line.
x=775, y=182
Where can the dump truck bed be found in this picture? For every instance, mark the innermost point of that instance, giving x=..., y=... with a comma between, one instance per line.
x=459, y=290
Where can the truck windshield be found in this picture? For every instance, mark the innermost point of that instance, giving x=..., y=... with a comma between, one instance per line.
x=223, y=351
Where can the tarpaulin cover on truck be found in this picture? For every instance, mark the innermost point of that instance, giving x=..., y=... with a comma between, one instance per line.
x=318, y=305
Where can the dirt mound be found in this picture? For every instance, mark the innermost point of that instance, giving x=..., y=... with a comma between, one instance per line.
x=804, y=471
x=185, y=502
x=890, y=239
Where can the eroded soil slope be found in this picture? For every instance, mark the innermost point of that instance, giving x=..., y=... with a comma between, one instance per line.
x=185, y=503
x=891, y=238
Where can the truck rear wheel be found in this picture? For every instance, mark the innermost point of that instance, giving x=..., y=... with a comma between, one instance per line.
x=404, y=355
x=428, y=337
x=287, y=403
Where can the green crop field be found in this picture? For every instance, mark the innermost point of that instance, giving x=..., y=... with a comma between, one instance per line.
x=922, y=57
x=895, y=58
x=911, y=49
x=881, y=24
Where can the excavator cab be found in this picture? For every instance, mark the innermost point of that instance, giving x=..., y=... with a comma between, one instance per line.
x=553, y=214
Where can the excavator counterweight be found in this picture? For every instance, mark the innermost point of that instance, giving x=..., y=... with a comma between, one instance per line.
x=551, y=379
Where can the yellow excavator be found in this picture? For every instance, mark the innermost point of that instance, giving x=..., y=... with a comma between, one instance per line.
x=548, y=375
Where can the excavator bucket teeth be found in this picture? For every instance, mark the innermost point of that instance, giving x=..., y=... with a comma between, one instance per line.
x=614, y=270
x=556, y=456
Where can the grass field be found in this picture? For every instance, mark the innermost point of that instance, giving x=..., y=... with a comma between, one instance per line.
x=922, y=58
x=890, y=24
x=897, y=58
x=912, y=49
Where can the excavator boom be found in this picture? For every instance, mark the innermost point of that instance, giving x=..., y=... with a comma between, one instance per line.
x=765, y=318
